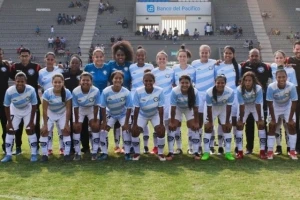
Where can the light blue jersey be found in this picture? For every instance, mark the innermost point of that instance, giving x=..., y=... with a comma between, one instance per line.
x=45, y=77
x=229, y=72
x=205, y=74
x=291, y=75
x=282, y=97
x=92, y=98
x=20, y=100
x=180, y=100
x=55, y=102
x=178, y=72
x=250, y=97
x=227, y=98
x=164, y=79
x=116, y=102
x=137, y=74
x=149, y=103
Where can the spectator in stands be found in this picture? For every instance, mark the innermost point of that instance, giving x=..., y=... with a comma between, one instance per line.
x=234, y=28
x=78, y=4
x=144, y=31
x=138, y=33
x=176, y=32
x=102, y=47
x=205, y=28
x=52, y=30
x=277, y=31
x=222, y=29
x=119, y=39
x=124, y=23
x=250, y=45
x=19, y=49
x=228, y=29
x=112, y=40
x=291, y=37
x=196, y=35
x=50, y=42
x=156, y=34
x=164, y=34
x=71, y=5
x=57, y=42
x=69, y=20
x=64, y=20
x=37, y=30
x=79, y=18
x=79, y=51
x=63, y=42
x=209, y=30
x=119, y=21
x=239, y=33
x=264, y=14
x=186, y=34
x=151, y=32
x=73, y=19
x=59, y=18
x=297, y=36
x=246, y=44
x=68, y=54
x=101, y=8
x=170, y=34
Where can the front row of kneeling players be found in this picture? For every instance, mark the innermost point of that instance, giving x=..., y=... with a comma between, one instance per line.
x=148, y=104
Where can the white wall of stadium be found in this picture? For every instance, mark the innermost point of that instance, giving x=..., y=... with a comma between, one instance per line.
x=167, y=15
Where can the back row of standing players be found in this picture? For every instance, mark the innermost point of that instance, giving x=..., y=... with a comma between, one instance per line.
x=201, y=73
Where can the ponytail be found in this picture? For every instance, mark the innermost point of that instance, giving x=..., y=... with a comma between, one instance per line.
x=236, y=68
x=63, y=94
x=191, y=97
x=214, y=92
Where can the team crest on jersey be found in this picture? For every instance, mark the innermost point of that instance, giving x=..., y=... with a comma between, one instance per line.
x=260, y=69
x=287, y=94
x=224, y=100
x=30, y=72
x=122, y=99
x=167, y=75
x=28, y=98
x=91, y=99
x=104, y=72
x=92, y=72
x=210, y=67
x=126, y=69
x=155, y=99
x=3, y=69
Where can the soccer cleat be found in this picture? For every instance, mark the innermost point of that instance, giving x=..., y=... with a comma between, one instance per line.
x=6, y=158
x=61, y=151
x=77, y=157
x=18, y=151
x=127, y=157
x=200, y=150
x=161, y=157
x=50, y=152
x=220, y=151
x=154, y=150
x=229, y=156
x=94, y=156
x=190, y=152
x=262, y=154
x=205, y=156
x=240, y=155
x=178, y=151
x=196, y=156
x=33, y=158
x=44, y=158
x=248, y=152
x=212, y=150
x=67, y=158
x=122, y=150
x=169, y=156
x=132, y=150
x=270, y=155
x=117, y=150
x=136, y=157
x=103, y=156
x=293, y=155
x=146, y=150
x=278, y=150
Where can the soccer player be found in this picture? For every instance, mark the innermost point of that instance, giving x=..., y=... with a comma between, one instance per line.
x=183, y=68
x=56, y=109
x=184, y=101
x=219, y=100
x=117, y=100
x=20, y=103
x=86, y=100
x=250, y=99
x=148, y=105
x=291, y=77
x=204, y=79
x=164, y=78
x=231, y=70
x=45, y=81
x=31, y=71
x=137, y=71
x=282, y=102
x=4, y=76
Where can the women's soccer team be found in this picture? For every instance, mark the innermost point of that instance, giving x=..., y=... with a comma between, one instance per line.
x=127, y=97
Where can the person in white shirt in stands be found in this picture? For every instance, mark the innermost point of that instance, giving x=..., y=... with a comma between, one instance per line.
x=50, y=42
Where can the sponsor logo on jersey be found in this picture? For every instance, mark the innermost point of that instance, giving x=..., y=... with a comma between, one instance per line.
x=30, y=72
x=126, y=69
x=122, y=99
x=91, y=99
x=3, y=69
x=155, y=99
x=104, y=72
x=261, y=69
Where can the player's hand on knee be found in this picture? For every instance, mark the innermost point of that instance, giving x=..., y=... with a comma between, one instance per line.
x=208, y=127
x=195, y=126
x=125, y=127
x=291, y=124
x=66, y=131
x=239, y=124
x=44, y=131
x=172, y=126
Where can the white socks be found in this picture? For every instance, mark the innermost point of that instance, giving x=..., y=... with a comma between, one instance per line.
x=76, y=142
x=67, y=144
x=262, y=139
x=127, y=141
x=136, y=144
x=95, y=142
x=9, y=142
x=33, y=143
x=44, y=145
x=103, y=141
x=160, y=145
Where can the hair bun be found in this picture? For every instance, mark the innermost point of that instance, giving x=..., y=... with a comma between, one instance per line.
x=182, y=47
x=140, y=47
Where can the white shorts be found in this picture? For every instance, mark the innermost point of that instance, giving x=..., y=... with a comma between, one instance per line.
x=142, y=121
x=234, y=107
x=251, y=108
x=283, y=113
x=59, y=119
x=85, y=112
x=167, y=107
x=112, y=120
x=188, y=113
x=217, y=112
x=202, y=100
x=17, y=115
